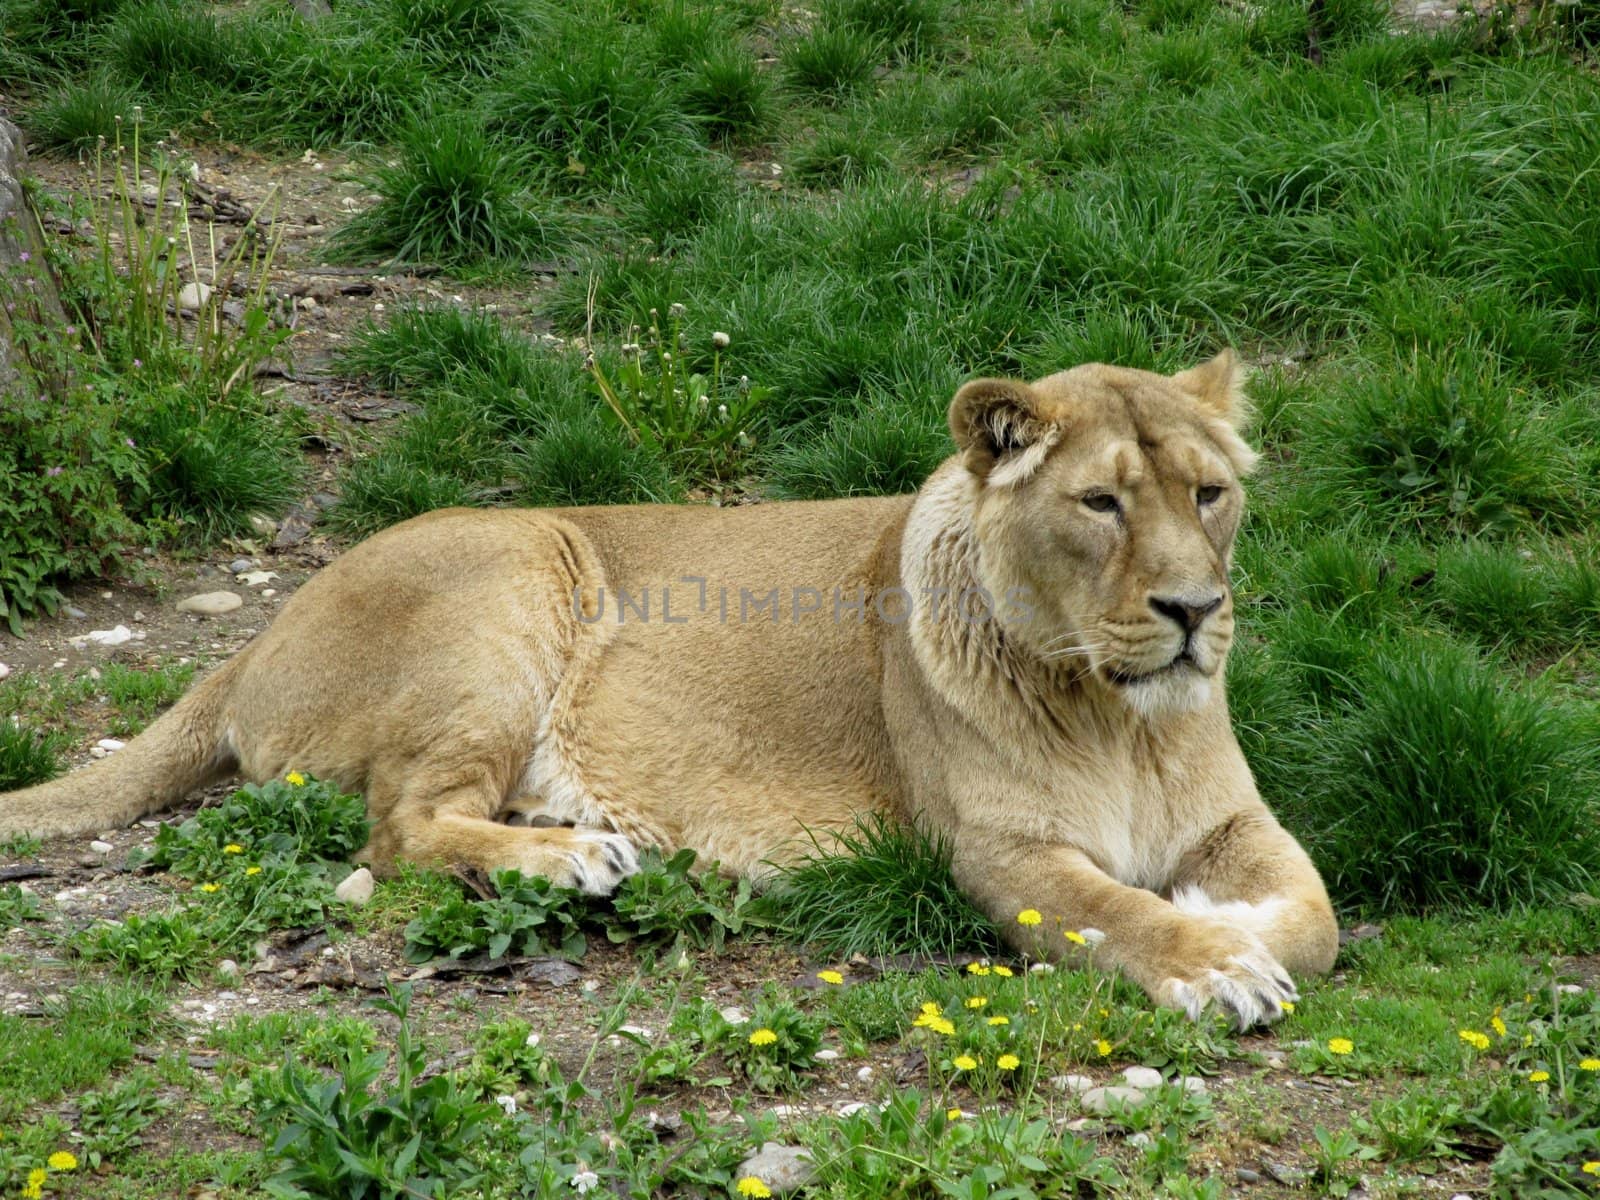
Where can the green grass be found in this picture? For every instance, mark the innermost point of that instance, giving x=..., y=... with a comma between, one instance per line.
x=884, y=888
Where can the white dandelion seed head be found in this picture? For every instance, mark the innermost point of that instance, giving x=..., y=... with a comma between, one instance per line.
x=720, y=340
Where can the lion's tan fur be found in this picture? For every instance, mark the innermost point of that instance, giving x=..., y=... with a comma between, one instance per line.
x=468, y=666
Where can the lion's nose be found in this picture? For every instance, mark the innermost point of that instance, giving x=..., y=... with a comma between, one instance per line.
x=1187, y=611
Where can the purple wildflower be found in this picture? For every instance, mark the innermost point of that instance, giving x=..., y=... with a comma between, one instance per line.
x=52, y=472
x=130, y=443
x=137, y=363
x=24, y=257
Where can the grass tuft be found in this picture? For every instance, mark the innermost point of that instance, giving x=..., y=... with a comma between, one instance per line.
x=453, y=198
x=885, y=888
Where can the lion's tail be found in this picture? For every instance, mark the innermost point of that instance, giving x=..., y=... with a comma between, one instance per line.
x=186, y=748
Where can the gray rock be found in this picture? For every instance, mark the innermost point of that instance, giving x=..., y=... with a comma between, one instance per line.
x=210, y=604
x=228, y=969
x=100, y=847
x=1143, y=1078
x=1190, y=1083
x=239, y=566
x=193, y=296
x=782, y=1168
x=1071, y=1083
x=1246, y=1175
x=356, y=888
x=1105, y=1101
x=73, y=611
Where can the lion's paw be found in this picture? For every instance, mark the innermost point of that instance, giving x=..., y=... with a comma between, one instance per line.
x=590, y=860
x=1250, y=987
x=600, y=861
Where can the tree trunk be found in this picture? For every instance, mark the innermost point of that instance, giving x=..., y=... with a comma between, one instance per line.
x=27, y=287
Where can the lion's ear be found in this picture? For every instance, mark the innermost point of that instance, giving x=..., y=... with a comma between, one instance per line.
x=1218, y=388
x=998, y=426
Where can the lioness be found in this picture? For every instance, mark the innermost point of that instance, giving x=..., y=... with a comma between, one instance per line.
x=1027, y=654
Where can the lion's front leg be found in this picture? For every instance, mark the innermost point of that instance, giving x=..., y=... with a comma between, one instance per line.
x=1249, y=872
x=1182, y=959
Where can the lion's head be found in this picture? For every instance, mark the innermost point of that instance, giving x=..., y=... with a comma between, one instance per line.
x=1110, y=498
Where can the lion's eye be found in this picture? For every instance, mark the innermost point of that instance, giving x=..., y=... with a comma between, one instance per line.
x=1207, y=495
x=1101, y=502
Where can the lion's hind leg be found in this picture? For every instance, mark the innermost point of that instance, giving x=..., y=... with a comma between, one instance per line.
x=454, y=825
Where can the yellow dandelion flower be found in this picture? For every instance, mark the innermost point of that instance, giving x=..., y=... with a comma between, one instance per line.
x=295, y=779
x=1340, y=1045
x=942, y=1026
x=953, y=1114
x=1589, y=1064
x=1105, y=1012
x=233, y=848
x=763, y=1037
x=997, y=1020
x=830, y=977
x=753, y=1187
x=35, y=1185
x=1539, y=1077
x=977, y=1001
x=210, y=887
x=62, y=1160
x=977, y=968
x=1102, y=1048
x=1591, y=1168
x=1003, y=972
x=964, y=1062
x=1029, y=916
x=1527, y=1039
x=930, y=1009
x=1478, y=1041
x=1076, y=938
x=1008, y=1062
x=252, y=870
x=1286, y=1005
x=1499, y=1026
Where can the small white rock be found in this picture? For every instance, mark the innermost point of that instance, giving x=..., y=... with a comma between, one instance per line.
x=851, y=1109
x=138, y=614
x=864, y=1074
x=1071, y=1083
x=1192, y=1084
x=1104, y=1100
x=1143, y=1078
x=638, y=1031
x=97, y=752
x=107, y=637
x=256, y=578
x=826, y=1055
x=101, y=847
x=211, y=604
x=228, y=969
x=111, y=745
x=356, y=888
x=4, y=670
x=191, y=296
x=735, y=1016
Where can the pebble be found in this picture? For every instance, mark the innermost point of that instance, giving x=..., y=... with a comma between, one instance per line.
x=256, y=578
x=1071, y=1083
x=782, y=1168
x=638, y=1031
x=106, y=637
x=73, y=611
x=1143, y=1078
x=357, y=887
x=192, y=295
x=864, y=1074
x=101, y=847
x=111, y=745
x=239, y=566
x=826, y=1055
x=211, y=604
x=855, y=1106
x=97, y=751
x=1103, y=1100
x=4, y=670
x=735, y=1016
x=1139, y=1140
x=1193, y=1084
x=228, y=969
x=1246, y=1175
